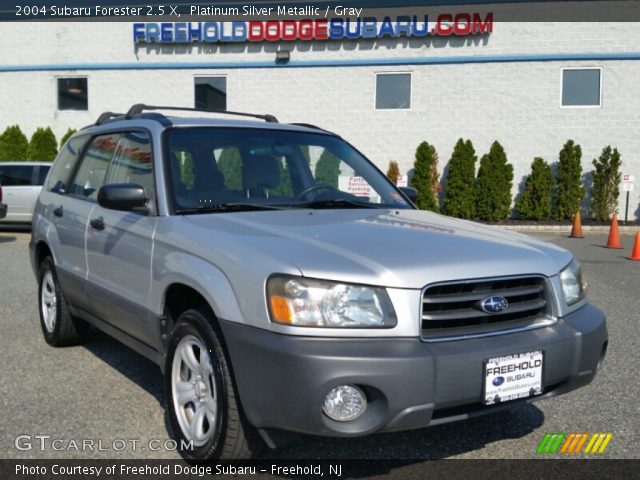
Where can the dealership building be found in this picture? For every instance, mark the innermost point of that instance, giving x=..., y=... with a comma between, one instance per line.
x=384, y=84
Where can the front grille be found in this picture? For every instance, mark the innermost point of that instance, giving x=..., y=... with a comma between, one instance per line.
x=453, y=309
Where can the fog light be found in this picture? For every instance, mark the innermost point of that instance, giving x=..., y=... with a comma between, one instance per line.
x=344, y=403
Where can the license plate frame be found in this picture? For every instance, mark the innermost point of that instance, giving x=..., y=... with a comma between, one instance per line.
x=517, y=382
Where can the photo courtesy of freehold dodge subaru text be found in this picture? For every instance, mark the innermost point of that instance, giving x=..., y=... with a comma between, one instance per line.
x=286, y=286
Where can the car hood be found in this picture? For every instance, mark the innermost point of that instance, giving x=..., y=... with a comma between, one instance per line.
x=392, y=248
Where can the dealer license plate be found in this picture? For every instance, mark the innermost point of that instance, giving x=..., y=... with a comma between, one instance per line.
x=512, y=377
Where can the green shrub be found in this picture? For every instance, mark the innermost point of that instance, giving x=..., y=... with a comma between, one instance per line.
x=43, y=145
x=569, y=188
x=493, y=185
x=328, y=169
x=425, y=177
x=13, y=144
x=536, y=199
x=285, y=189
x=230, y=165
x=459, y=200
x=606, y=184
x=393, y=172
x=66, y=136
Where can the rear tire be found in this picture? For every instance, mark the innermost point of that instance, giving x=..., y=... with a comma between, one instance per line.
x=201, y=396
x=59, y=328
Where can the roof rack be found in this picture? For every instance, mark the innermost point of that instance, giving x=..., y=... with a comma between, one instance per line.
x=106, y=116
x=309, y=125
x=140, y=108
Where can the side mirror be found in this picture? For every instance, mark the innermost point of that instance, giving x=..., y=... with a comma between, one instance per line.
x=410, y=193
x=127, y=197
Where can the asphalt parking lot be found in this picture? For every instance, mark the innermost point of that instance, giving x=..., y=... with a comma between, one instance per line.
x=102, y=391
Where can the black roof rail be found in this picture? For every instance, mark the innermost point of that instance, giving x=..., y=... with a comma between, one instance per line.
x=107, y=116
x=310, y=125
x=139, y=108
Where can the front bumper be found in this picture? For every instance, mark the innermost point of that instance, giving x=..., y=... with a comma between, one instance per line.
x=282, y=379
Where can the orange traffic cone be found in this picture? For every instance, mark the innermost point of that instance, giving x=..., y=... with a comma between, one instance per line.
x=614, y=234
x=576, y=231
x=635, y=254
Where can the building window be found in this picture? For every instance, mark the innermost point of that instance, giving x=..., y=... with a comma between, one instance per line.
x=581, y=87
x=73, y=94
x=211, y=93
x=393, y=91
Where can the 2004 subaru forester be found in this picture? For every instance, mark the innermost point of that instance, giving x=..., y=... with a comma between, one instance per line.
x=283, y=284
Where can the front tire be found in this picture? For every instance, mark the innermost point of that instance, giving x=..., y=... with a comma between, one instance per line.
x=201, y=400
x=59, y=328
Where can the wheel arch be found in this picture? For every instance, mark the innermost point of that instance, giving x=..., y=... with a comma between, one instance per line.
x=197, y=282
x=41, y=251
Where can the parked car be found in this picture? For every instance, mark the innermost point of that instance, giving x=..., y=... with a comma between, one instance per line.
x=3, y=206
x=284, y=284
x=22, y=183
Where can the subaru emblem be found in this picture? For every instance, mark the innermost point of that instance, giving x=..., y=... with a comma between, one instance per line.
x=498, y=381
x=494, y=304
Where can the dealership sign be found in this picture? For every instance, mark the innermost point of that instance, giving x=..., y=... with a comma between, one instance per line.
x=461, y=24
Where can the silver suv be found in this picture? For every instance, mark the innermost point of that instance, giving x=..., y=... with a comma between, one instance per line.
x=283, y=284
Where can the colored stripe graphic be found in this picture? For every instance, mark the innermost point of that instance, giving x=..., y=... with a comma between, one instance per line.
x=550, y=443
x=598, y=443
x=573, y=443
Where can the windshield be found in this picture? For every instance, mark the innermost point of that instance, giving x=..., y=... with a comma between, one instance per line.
x=224, y=169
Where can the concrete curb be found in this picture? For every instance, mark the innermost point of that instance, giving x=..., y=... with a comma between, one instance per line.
x=567, y=228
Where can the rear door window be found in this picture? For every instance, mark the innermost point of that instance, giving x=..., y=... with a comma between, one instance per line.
x=16, y=175
x=93, y=166
x=65, y=163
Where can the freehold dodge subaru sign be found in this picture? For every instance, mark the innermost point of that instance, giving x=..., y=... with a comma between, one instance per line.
x=460, y=24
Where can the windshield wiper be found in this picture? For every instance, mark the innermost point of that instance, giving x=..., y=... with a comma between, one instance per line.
x=337, y=203
x=227, y=207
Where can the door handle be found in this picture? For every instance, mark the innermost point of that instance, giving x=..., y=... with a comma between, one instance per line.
x=97, y=223
x=58, y=211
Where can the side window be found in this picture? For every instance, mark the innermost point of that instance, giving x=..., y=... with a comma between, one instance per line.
x=16, y=175
x=64, y=164
x=93, y=168
x=42, y=174
x=132, y=162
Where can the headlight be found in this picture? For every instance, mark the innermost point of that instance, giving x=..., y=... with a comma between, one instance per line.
x=573, y=284
x=318, y=303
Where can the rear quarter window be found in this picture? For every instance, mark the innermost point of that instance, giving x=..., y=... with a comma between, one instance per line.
x=42, y=174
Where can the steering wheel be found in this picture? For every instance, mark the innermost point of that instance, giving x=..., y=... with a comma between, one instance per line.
x=313, y=188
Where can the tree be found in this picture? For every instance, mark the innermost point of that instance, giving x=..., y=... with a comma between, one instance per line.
x=493, y=185
x=425, y=177
x=606, y=184
x=13, y=144
x=393, y=172
x=43, y=145
x=459, y=200
x=569, y=188
x=536, y=199
x=66, y=136
x=230, y=165
x=328, y=169
x=285, y=188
